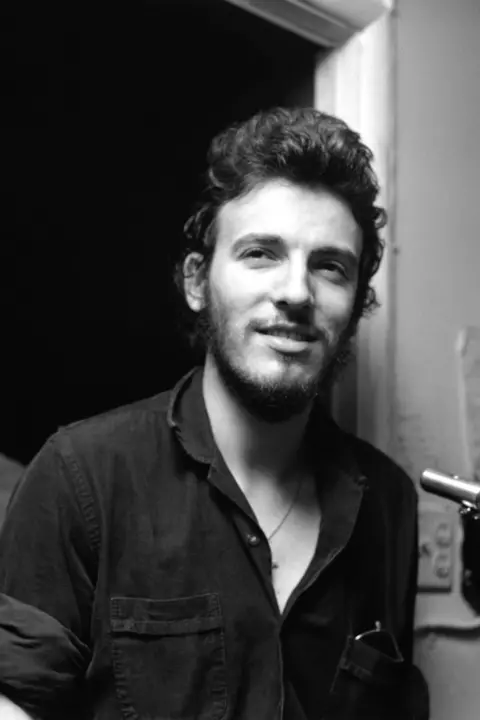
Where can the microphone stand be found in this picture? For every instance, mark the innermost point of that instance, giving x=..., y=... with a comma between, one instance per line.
x=466, y=493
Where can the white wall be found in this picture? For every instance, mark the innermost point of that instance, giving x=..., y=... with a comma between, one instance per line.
x=437, y=276
x=437, y=220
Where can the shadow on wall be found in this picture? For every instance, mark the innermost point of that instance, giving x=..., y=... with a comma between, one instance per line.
x=10, y=471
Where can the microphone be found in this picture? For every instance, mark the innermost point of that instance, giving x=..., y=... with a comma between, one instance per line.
x=467, y=494
x=452, y=487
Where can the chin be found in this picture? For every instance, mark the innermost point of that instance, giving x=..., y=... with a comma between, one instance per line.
x=271, y=387
x=286, y=371
x=281, y=381
x=286, y=380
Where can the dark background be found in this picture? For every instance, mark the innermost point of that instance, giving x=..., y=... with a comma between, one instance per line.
x=107, y=117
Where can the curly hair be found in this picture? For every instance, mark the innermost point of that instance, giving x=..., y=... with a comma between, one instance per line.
x=301, y=145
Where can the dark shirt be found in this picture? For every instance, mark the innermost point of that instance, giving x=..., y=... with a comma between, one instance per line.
x=136, y=581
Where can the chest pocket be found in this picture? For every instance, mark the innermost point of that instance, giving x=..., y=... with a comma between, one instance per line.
x=169, y=657
x=368, y=685
x=373, y=681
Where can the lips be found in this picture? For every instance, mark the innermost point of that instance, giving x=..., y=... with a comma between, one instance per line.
x=297, y=333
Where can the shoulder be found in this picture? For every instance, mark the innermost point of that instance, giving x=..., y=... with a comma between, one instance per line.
x=385, y=478
x=93, y=457
x=380, y=472
x=119, y=430
x=380, y=467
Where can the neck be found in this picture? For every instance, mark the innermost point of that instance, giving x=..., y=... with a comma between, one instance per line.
x=250, y=446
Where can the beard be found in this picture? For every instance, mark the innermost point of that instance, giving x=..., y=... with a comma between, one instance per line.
x=277, y=399
x=272, y=400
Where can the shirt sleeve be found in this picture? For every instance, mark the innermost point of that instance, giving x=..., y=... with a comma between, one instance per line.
x=47, y=579
x=408, y=567
x=41, y=662
x=417, y=700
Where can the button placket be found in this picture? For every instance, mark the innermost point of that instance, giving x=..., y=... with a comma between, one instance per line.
x=259, y=551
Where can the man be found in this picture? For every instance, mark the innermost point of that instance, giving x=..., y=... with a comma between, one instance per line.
x=216, y=551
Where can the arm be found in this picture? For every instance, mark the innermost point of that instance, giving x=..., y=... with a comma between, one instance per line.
x=47, y=576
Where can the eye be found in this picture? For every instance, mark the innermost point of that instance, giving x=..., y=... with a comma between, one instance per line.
x=258, y=255
x=255, y=252
x=331, y=269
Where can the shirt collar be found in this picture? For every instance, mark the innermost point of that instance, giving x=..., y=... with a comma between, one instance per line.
x=187, y=416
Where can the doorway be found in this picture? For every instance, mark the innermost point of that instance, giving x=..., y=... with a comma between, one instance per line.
x=113, y=115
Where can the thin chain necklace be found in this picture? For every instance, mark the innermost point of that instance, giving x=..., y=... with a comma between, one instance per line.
x=292, y=505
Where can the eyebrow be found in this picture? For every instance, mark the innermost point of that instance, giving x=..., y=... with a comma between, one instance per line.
x=250, y=238
x=276, y=240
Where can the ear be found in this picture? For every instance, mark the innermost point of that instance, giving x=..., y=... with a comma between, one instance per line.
x=194, y=281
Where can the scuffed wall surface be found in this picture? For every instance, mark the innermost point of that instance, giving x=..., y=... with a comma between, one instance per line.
x=450, y=666
x=437, y=232
x=437, y=222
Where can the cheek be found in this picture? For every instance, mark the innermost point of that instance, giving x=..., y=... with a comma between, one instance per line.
x=233, y=295
x=227, y=307
x=335, y=307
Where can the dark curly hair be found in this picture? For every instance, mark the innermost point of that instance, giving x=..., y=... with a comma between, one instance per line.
x=301, y=145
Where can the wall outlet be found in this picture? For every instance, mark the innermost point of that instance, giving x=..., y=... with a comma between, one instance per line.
x=436, y=546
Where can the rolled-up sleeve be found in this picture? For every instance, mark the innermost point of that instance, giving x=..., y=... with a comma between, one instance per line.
x=42, y=663
x=47, y=581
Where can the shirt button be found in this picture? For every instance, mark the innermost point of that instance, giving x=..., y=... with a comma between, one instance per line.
x=253, y=539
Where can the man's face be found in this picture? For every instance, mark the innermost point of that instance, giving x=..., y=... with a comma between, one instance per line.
x=280, y=292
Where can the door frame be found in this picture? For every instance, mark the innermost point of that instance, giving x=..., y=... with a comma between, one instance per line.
x=357, y=82
x=329, y=23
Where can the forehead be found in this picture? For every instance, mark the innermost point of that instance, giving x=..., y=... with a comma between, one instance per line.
x=310, y=217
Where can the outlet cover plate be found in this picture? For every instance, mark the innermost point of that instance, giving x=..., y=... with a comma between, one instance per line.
x=435, y=552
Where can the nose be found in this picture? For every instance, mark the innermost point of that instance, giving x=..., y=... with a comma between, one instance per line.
x=294, y=286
